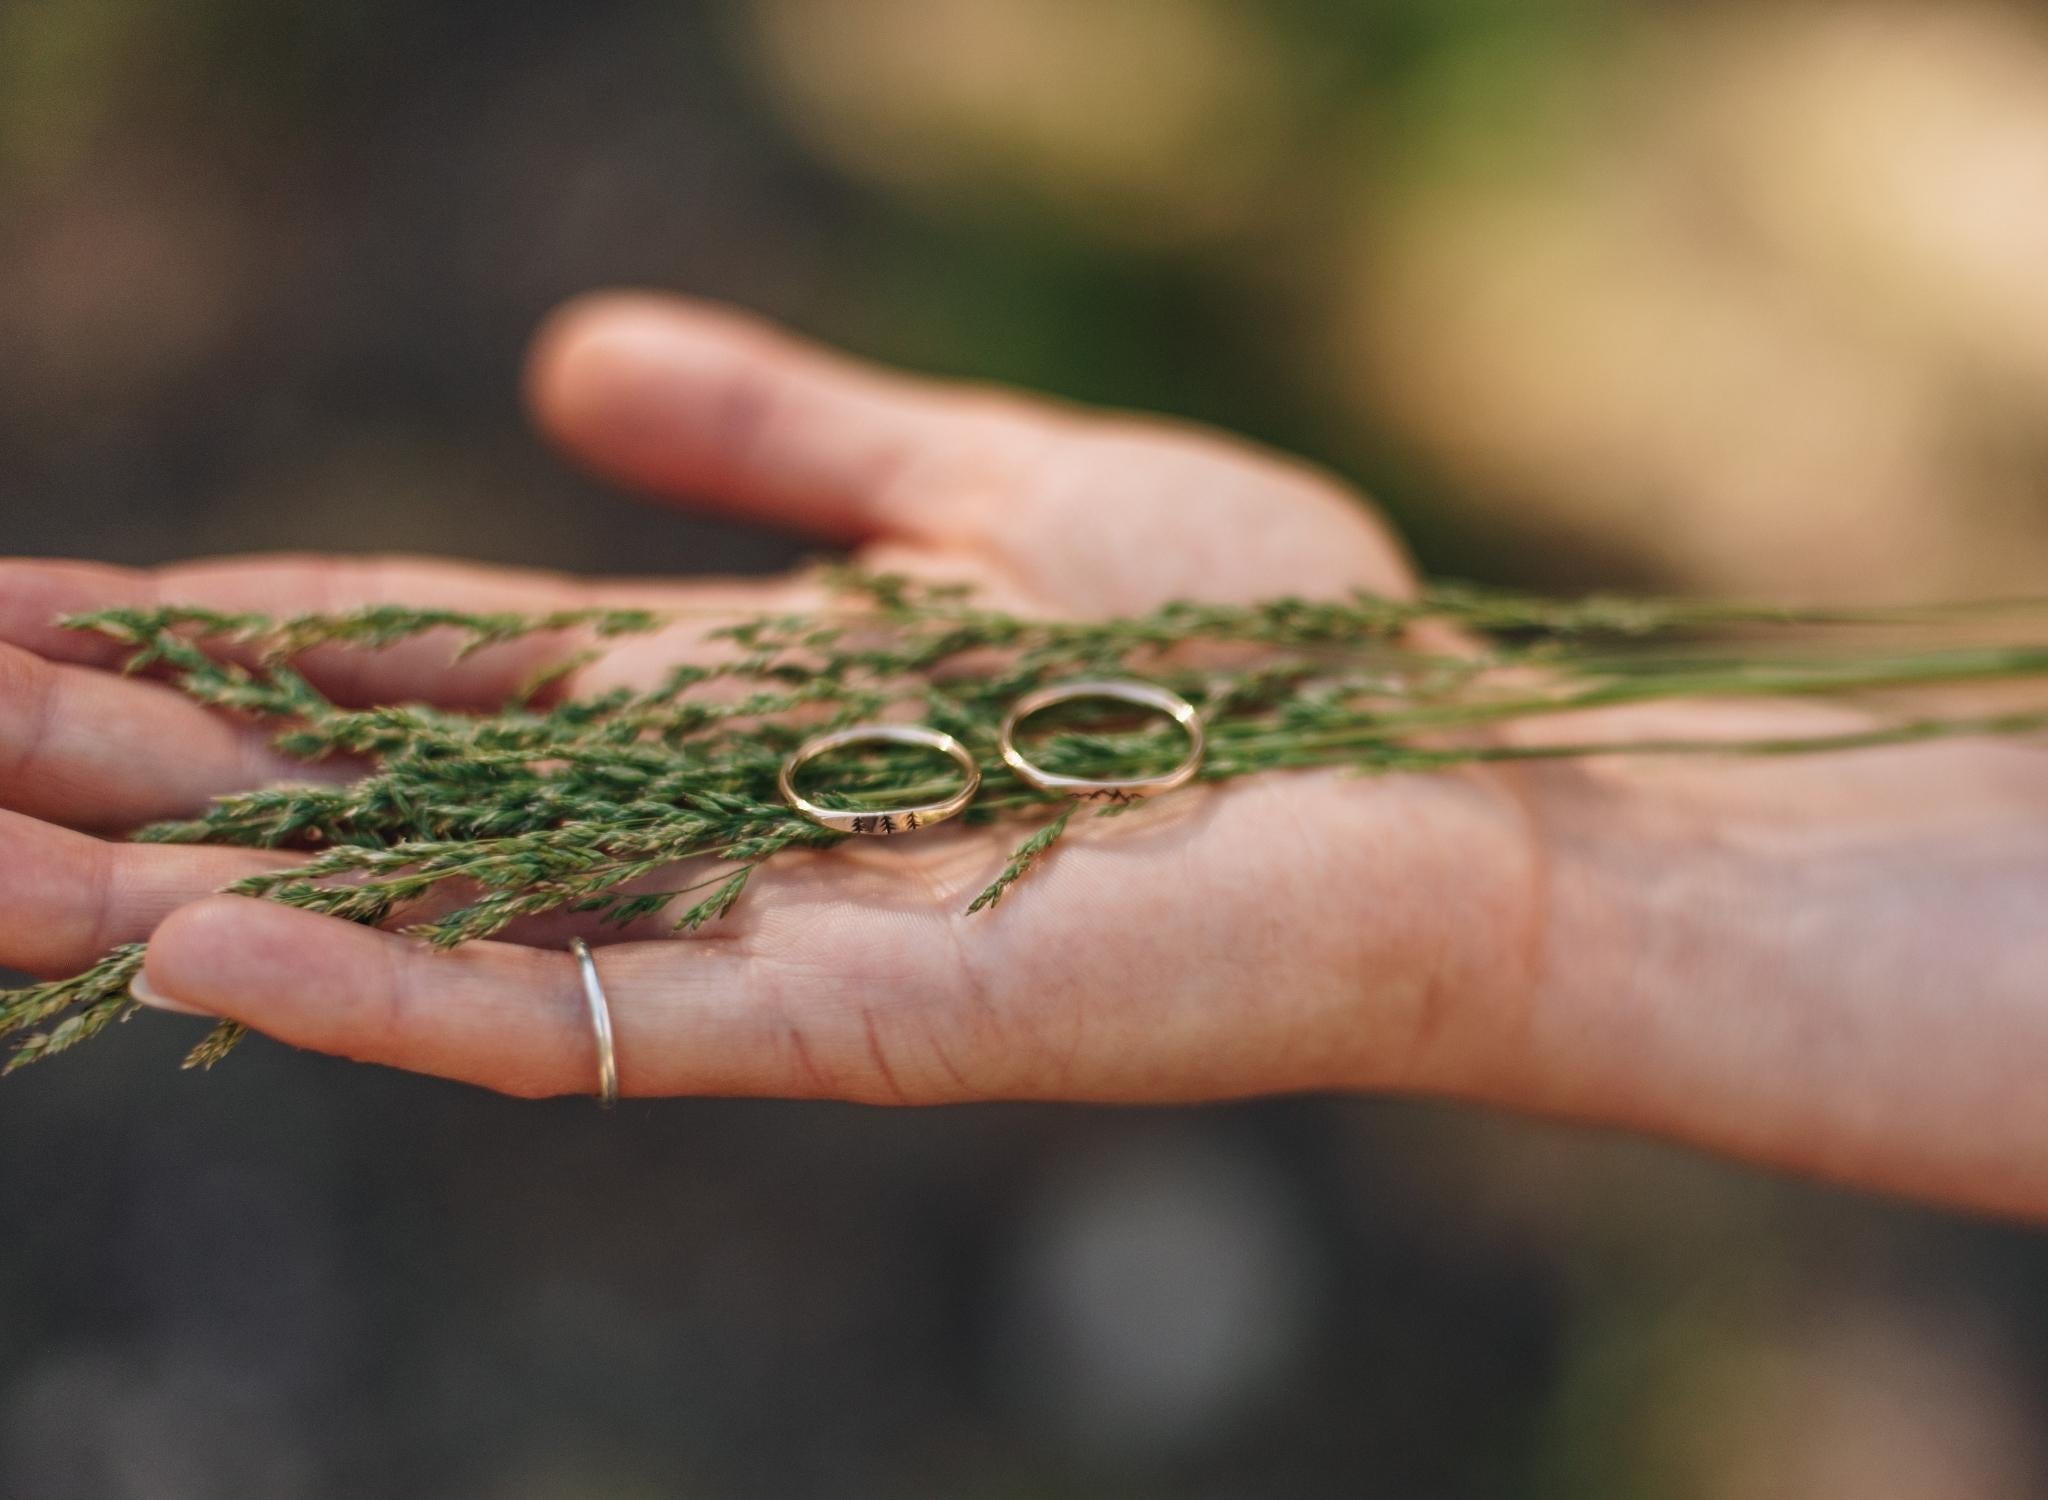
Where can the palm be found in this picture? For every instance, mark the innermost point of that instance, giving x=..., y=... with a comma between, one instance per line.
x=1112, y=975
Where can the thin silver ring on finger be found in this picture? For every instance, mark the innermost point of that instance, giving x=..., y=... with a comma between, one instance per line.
x=886, y=821
x=600, y=1024
x=1123, y=789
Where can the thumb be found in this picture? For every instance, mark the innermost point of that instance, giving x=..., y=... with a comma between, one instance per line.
x=708, y=405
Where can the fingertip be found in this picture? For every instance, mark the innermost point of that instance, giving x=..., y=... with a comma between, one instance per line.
x=499, y=1016
x=298, y=977
x=36, y=594
x=557, y=355
x=240, y=957
x=605, y=365
x=709, y=405
x=142, y=991
x=304, y=978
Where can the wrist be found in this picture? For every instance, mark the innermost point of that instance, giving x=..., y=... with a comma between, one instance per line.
x=1839, y=969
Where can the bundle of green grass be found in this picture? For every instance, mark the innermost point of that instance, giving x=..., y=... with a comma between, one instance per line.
x=559, y=803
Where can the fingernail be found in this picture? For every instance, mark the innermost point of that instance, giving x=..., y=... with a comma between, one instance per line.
x=156, y=999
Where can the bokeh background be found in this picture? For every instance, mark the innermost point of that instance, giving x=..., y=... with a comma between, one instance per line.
x=1738, y=298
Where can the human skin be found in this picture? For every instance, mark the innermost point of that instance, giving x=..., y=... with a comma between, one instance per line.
x=1835, y=966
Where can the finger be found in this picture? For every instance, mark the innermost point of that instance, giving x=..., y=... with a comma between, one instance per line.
x=69, y=897
x=704, y=403
x=690, y=1017
x=36, y=594
x=699, y=403
x=96, y=751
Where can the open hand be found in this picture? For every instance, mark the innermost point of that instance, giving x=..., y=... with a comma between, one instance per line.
x=1841, y=967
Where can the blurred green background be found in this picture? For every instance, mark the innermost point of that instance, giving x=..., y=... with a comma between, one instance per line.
x=1735, y=298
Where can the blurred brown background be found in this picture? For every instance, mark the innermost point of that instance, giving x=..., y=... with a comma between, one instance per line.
x=1736, y=298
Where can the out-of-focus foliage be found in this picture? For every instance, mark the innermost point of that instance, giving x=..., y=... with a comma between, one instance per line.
x=1743, y=296
x=1770, y=317
x=1746, y=296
